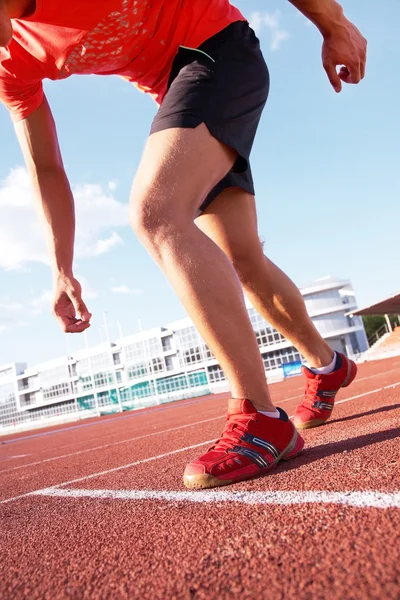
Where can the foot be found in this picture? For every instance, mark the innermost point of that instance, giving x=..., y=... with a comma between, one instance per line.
x=321, y=391
x=250, y=445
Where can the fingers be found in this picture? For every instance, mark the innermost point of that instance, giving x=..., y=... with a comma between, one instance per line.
x=333, y=76
x=351, y=74
x=80, y=307
x=77, y=327
x=69, y=309
x=72, y=325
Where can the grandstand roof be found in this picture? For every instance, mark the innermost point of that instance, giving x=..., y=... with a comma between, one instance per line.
x=389, y=306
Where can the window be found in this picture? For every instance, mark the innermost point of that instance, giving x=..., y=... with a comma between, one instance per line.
x=94, y=364
x=265, y=334
x=216, y=374
x=191, y=356
x=102, y=379
x=275, y=359
x=139, y=351
x=167, y=343
x=8, y=405
x=54, y=376
x=86, y=383
x=56, y=391
x=137, y=371
x=331, y=322
x=158, y=364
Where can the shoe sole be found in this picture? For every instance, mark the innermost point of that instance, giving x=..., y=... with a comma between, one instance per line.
x=205, y=481
x=310, y=424
x=351, y=375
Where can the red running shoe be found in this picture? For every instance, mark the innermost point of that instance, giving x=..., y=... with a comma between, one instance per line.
x=320, y=393
x=250, y=445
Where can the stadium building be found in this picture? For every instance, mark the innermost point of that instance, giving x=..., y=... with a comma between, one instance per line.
x=161, y=365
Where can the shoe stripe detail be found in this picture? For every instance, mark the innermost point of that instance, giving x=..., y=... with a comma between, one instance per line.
x=323, y=405
x=251, y=439
x=274, y=451
x=327, y=393
x=252, y=454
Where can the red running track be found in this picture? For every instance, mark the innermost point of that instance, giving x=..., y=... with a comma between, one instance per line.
x=97, y=509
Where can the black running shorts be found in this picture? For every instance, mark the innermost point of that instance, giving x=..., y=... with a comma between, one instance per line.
x=224, y=83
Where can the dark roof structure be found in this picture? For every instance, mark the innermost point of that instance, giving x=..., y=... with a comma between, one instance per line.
x=389, y=306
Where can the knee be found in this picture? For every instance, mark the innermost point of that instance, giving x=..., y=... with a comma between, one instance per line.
x=249, y=267
x=153, y=223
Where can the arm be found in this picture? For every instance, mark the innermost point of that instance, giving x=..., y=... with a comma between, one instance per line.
x=55, y=205
x=343, y=44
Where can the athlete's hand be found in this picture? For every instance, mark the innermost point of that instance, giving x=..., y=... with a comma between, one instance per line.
x=68, y=307
x=345, y=47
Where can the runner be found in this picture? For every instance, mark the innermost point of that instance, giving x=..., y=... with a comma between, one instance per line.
x=192, y=200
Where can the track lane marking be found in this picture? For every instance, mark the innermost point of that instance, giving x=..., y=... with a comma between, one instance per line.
x=131, y=439
x=361, y=499
x=159, y=456
x=171, y=405
x=114, y=470
x=39, y=462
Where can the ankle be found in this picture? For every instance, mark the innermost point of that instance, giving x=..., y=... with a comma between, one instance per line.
x=263, y=406
x=328, y=368
x=322, y=359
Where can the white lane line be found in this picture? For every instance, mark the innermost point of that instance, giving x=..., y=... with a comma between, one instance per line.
x=114, y=470
x=4, y=458
x=386, y=387
x=377, y=375
x=279, y=402
x=131, y=439
x=152, y=458
x=366, y=499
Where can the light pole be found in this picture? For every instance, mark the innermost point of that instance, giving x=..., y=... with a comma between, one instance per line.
x=114, y=376
x=96, y=398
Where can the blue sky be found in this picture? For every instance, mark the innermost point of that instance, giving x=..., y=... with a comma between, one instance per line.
x=326, y=168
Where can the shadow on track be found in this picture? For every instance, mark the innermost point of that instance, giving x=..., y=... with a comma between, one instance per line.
x=316, y=453
x=376, y=411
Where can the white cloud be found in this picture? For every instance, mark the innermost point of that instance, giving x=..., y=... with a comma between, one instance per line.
x=8, y=318
x=10, y=323
x=103, y=246
x=42, y=301
x=11, y=306
x=271, y=22
x=88, y=292
x=112, y=185
x=278, y=36
x=21, y=238
x=125, y=289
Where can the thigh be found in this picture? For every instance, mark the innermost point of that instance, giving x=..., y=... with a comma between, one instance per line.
x=224, y=85
x=231, y=222
x=178, y=168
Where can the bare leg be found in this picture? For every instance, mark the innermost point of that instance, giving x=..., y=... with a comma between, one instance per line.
x=179, y=167
x=231, y=221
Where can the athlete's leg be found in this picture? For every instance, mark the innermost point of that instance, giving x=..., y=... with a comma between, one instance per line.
x=231, y=221
x=178, y=169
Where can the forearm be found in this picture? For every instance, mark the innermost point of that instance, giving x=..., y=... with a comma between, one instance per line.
x=55, y=206
x=327, y=15
x=54, y=201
